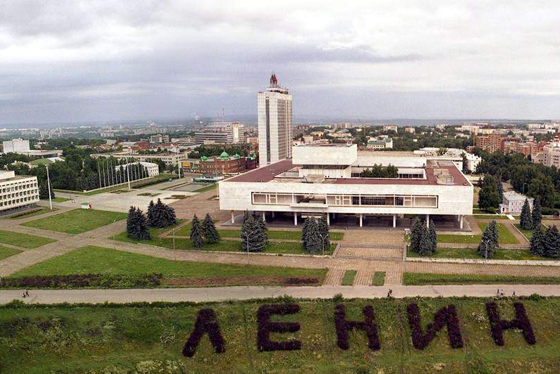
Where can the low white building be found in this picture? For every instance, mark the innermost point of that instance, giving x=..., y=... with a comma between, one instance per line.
x=513, y=203
x=322, y=180
x=17, y=191
x=16, y=146
x=151, y=168
x=380, y=143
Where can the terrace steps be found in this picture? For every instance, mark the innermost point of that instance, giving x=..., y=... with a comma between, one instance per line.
x=393, y=278
x=364, y=278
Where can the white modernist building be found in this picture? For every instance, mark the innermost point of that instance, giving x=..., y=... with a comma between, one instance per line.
x=275, y=123
x=325, y=180
x=17, y=191
x=151, y=168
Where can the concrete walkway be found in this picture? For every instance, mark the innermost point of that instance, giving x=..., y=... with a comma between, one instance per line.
x=247, y=293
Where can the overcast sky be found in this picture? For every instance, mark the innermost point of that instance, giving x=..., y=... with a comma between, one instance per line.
x=140, y=59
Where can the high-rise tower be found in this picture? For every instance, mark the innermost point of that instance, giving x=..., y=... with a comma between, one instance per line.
x=275, y=123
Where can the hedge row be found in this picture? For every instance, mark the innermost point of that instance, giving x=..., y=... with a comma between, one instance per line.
x=82, y=281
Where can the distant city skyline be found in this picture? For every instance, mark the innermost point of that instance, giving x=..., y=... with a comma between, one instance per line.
x=80, y=61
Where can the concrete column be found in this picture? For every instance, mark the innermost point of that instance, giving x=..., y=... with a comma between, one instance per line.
x=295, y=218
x=427, y=220
x=333, y=215
x=461, y=222
x=328, y=219
x=361, y=220
x=394, y=220
x=264, y=216
x=272, y=214
x=232, y=216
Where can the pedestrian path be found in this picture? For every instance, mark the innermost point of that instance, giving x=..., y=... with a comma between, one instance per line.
x=216, y=294
x=364, y=277
x=334, y=277
x=393, y=277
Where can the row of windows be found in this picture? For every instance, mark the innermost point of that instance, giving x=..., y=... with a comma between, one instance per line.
x=16, y=187
x=19, y=201
x=11, y=196
x=418, y=201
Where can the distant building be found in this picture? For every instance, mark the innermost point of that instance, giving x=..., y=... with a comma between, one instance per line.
x=490, y=143
x=550, y=155
x=380, y=143
x=16, y=146
x=17, y=191
x=394, y=128
x=275, y=123
x=220, y=133
x=151, y=168
x=159, y=138
x=410, y=130
x=513, y=203
x=224, y=164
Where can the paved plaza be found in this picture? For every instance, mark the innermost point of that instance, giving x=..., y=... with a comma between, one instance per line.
x=365, y=250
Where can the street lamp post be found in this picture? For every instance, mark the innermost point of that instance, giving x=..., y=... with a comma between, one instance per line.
x=49, y=186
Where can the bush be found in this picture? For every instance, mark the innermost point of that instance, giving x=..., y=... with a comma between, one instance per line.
x=549, y=211
x=491, y=210
x=82, y=281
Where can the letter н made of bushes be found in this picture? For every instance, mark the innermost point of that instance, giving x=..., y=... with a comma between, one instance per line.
x=368, y=325
x=498, y=325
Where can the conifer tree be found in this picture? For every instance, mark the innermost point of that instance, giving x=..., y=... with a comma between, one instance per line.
x=537, y=242
x=150, y=214
x=432, y=238
x=526, y=220
x=136, y=225
x=552, y=242
x=304, y=233
x=425, y=244
x=209, y=230
x=323, y=229
x=488, y=242
x=143, y=232
x=131, y=222
x=262, y=231
x=494, y=235
x=416, y=234
x=536, y=215
x=253, y=237
x=196, y=233
x=314, y=242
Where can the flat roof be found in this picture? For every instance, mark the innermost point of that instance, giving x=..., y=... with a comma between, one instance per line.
x=269, y=172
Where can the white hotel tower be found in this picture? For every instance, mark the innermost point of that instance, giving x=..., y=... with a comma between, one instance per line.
x=275, y=123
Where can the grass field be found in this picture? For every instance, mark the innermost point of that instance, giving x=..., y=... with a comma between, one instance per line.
x=420, y=279
x=527, y=233
x=505, y=236
x=490, y=216
x=207, y=188
x=378, y=278
x=34, y=212
x=77, y=221
x=223, y=246
x=23, y=240
x=272, y=234
x=145, y=338
x=97, y=260
x=471, y=253
x=60, y=199
x=348, y=278
x=6, y=252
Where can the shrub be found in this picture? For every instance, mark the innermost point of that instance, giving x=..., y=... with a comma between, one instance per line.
x=498, y=325
x=82, y=281
x=265, y=327
x=343, y=326
x=446, y=315
x=206, y=322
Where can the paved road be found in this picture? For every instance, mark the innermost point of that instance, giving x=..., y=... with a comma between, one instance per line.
x=247, y=293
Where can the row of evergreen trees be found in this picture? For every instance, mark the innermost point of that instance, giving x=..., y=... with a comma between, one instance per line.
x=205, y=232
x=159, y=215
x=489, y=241
x=315, y=235
x=547, y=243
x=531, y=220
x=254, y=234
x=423, y=240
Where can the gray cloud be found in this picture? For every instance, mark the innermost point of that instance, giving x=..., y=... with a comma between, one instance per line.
x=87, y=60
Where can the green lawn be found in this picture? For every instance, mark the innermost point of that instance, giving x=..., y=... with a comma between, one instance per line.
x=505, y=236
x=272, y=234
x=207, y=188
x=77, y=221
x=490, y=216
x=420, y=279
x=378, y=278
x=23, y=240
x=471, y=253
x=348, y=278
x=97, y=260
x=223, y=246
x=7, y=252
x=149, y=338
x=33, y=212
x=60, y=199
x=527, y=233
